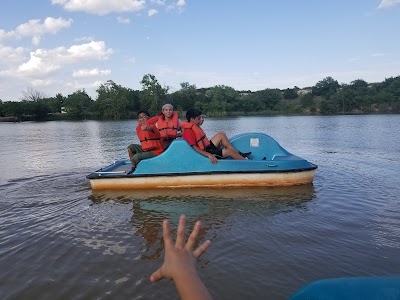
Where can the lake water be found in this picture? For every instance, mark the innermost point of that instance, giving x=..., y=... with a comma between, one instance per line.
x=58, y=240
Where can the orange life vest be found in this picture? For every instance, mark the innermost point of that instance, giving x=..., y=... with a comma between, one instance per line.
x=201, y=139
x=168, y=129
x=149, y=140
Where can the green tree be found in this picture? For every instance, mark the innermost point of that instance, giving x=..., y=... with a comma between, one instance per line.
x=269, y=97
x=219, y=100
x=153, y=95
x=133, y=101
x=35, y=104
x=55, y=103
x=185, y=97
x=329, y=106
x=113, y=100
x=78, y=104
x=247, y=103
x=307, y=100
x=289, y=94
x=326, y=87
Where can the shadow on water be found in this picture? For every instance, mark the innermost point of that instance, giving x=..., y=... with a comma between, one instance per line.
x=218, y=209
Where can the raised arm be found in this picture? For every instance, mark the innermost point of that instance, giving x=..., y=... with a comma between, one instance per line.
x=152, y=120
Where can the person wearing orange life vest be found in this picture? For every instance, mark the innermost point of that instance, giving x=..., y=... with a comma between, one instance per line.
x=150, y=143
x=196, y=138
x=167, y=123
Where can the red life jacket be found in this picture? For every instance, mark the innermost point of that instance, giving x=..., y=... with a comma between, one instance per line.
x=201, y=139
x=168, y=129
x=149, y=140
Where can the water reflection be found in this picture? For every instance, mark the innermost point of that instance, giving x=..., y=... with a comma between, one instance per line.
x=241, y=193
x=218, y=209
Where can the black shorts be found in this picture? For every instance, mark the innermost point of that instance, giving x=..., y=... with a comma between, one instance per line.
x=214, y=150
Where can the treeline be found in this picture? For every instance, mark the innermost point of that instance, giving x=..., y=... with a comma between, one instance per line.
x=115, y=102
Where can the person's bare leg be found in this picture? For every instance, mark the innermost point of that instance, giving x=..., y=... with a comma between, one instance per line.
x=220, y=139
x=229, y=151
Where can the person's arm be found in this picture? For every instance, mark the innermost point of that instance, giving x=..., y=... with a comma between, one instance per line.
x=189, y=136
x=180, y=262
x=152, y=120
x=180, y=131
x=147, y=128
x=213, y=159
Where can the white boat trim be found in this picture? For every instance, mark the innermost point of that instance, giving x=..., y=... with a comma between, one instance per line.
x=205, y=180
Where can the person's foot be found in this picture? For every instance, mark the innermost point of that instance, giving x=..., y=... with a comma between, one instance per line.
x=131, y=170
x=245, y=154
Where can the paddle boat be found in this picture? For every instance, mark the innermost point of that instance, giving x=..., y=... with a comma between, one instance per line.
x=180, y=166
x=350, y=288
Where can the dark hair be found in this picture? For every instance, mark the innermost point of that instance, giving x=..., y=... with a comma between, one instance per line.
x=192, y=113
x=143, y=112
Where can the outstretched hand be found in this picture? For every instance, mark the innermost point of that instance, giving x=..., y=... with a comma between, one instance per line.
x=180, y=261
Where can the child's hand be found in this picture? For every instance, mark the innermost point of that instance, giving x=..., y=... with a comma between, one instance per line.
x=180, y=259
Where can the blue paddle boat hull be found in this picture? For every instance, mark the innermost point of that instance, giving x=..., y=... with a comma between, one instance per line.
x=365, y=288
x=181, y=166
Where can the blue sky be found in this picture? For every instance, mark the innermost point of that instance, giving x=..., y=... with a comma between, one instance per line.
x=61, y=46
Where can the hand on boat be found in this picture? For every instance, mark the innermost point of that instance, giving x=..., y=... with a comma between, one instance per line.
x=180, y=261
x=213, y=159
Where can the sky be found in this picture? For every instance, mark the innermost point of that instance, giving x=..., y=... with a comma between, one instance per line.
x=62, y=46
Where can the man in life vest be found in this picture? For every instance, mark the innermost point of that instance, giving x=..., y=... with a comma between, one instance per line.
x=196, y=138
x=167, y=123
x=150, y=143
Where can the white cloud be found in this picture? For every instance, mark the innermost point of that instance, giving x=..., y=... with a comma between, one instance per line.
x=42, y=62
x=123, y=20
x=178, y=6
x=42, y=82
x=73, y=86
x=101, y=7
x=181, y=3
x=96, y=84
x=152, y=12
x=36, y=40
x=388, y=3
x=11, y=55
x=90, y=73
x=36, y=29
x=158, y=2
x=84, y=39
x=6, y=35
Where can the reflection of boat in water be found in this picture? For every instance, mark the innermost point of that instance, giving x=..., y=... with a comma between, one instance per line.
x=181, y=166
x=216, y=208
x=281, y=194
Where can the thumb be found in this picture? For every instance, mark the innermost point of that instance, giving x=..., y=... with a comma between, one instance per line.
x=156, y=276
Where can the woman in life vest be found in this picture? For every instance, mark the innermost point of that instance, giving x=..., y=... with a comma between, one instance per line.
x=196, y=138
x=168, y=124
x=149, y=137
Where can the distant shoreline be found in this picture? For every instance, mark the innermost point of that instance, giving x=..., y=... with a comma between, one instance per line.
x=232, y=114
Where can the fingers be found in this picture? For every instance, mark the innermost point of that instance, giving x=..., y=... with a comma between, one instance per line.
x=168, y=242
x=156, y=276
x=180, y=234
x=193, y=236
x=213, y=159
x=203, y=248
x=192, y=240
